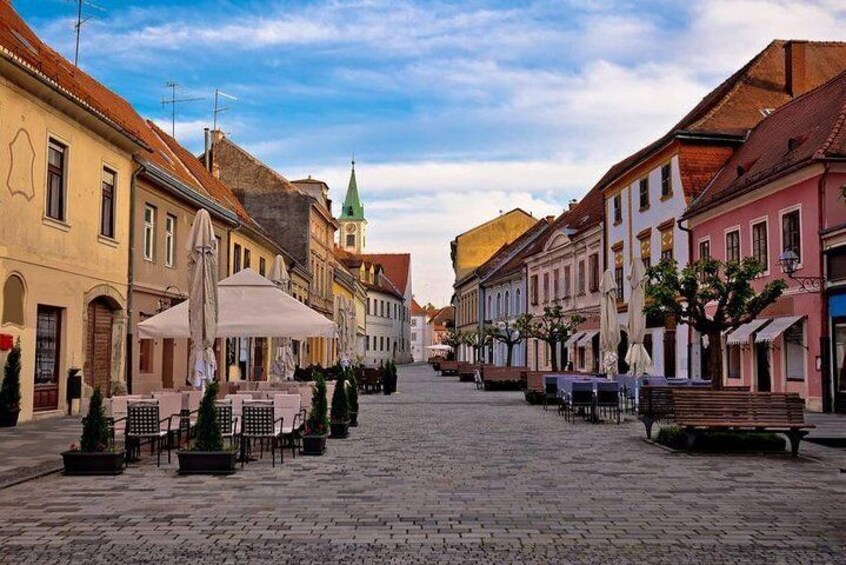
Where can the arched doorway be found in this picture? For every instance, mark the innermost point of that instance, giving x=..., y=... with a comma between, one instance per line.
x=100, y=343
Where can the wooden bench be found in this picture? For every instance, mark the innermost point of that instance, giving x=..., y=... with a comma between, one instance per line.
x=371, y=380
x=502, y=378
x=466, y=371
x=532, y=384
x=449, y=368
x=702, y=410
x=655, y=403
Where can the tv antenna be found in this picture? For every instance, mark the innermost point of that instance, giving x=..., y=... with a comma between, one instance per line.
x=81, y=20
x=172, y=102
x=217, y=108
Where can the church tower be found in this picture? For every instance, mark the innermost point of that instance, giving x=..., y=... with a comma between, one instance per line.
x=353, y=225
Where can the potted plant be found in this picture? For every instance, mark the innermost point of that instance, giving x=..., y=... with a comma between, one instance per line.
x=93, y=455
x=340, y=420
x=206, y=455
x=317, y=423
x=10, y=390
x=352, y=397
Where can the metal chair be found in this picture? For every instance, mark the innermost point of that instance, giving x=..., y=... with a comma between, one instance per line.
x=257, y=422
x=227, y=422
x=550, y=389
x=287, y=411
x=608, y=397
x=143, y=423
x=580, y=397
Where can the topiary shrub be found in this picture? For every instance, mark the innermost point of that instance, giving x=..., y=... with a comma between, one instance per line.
x=317, y=423
x=207, y=436
x=340, y=403
x=10, y=390
x=95, y=428
x=352, y=391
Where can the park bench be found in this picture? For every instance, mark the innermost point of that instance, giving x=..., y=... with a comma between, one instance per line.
x=531, y=382
x=449, y=368
x=703, y=410
x=502, y=378
x=655, y=403
x=467, y=371
x=371, y=380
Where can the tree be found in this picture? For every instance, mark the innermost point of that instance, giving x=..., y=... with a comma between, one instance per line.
x=554, y=327
x=95, y=428
x=10, y=390
x=207, y=436
x=454, y=338
x=511, y=334
x=479, y=339
x=340, y=402
x=317, y=423
x=722, y=288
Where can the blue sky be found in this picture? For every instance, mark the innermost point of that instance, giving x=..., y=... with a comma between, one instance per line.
x=454, y=110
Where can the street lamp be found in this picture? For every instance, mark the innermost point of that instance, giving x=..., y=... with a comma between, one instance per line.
x=789, y=262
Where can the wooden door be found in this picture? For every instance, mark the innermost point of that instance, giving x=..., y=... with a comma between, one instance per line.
x=762, y=359
x=48, y=339
x=167, y=363
x=98, y=359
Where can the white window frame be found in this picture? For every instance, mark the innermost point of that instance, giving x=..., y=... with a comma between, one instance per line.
x=804, y=378
x=53, y=138
x=725, y=242
x=699, y=248
x=150, y=233
x=170, y=239
x=752, y=223
x=781, y=213
x=104, y=168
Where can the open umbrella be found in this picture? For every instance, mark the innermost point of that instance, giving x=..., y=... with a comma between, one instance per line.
x=609, y=329
x=202, y=298
x=284, y=364
x=637, y=357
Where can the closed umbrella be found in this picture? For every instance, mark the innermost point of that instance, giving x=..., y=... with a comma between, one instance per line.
x=284, y=364
x=202, y=298
x=609, y=329
x=637, y=357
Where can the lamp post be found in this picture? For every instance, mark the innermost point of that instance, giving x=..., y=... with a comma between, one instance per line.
x=789, y=262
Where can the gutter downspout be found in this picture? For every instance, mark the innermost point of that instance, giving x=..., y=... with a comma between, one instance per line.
x=130, y=275
x=826, y=378
x=689, y=233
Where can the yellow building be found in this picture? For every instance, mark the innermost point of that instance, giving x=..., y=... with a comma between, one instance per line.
x=64, y=235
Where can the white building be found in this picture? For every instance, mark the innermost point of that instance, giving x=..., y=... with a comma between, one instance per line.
x=422, y=332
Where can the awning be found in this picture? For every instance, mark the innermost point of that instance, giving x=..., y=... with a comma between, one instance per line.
x=768, y=334
x=585, y=340
x=573, y=339
x=741, y=335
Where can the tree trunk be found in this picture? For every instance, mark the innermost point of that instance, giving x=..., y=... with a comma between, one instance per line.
x=553, y=356
x=509, y=349
x=715, y=360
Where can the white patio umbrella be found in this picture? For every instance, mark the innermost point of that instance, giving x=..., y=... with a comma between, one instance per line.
x=202, y=307
x=284, y=364
x=439, y=347
x=609, y=328
x=637, y=357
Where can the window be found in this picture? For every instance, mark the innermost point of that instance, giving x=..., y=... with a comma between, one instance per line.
x=556, y=283
x=759, y=243
x=794, y=351
x=545, y=288
x=350, y=240
x=262, y=266
x=733, y=245
x=733, y=354
x=498, y=305
x=248, y=260
x=618, y=279
x=518, y=306
x=593, y=266
x=145, y=356
x=368, y=306
x=705, y=249
x=47, y=345
x=533, y=290
x=646, y=249
x=507, y=303
x=149, y=232
x=618, y=208
x=56, y=171
x=836, y=263
x=580, y=278
x=413, y=336
x=567, y=288
x=381, y=343
x=667, y=244
x=666, y=181
x=790, y=233
x=236, y=258
x=367, y=343
x=644, y=193
x=14, y=294
x=107, y=204
x=170, y=239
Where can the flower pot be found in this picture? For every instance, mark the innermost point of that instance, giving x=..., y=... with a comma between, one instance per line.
x=314, y=445
x=339, y=430
x=94, y=463
x=353, y=419
x=9, y=419
x=206, y=462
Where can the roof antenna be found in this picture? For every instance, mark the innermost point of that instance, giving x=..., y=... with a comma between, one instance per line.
x=172, y=102
x=217, y=109
x=80, y=21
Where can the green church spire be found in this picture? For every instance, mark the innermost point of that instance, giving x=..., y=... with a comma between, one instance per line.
x=352, y=208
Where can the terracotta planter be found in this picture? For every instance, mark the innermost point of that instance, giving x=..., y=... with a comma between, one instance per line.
x=206, y=462
x=94, y=463
x=339, y=430
x=314, y=445
x=9, y=419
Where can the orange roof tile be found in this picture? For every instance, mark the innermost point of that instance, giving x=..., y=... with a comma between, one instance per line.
x=396, y=265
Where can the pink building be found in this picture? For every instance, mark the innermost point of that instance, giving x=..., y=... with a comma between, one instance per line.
x=772, y=200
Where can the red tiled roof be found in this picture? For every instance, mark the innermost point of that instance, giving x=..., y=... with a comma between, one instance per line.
x=586, y=214
x=19, y=44
x=396, y=265
x=511, y=256
x=416, y=309
x=742, y=100
x=810, y=128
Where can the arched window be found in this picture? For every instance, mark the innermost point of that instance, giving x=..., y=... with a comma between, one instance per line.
x=13, y=301
x=518, y=306
x=507, y=304
x=498, y=304
x=490, y=306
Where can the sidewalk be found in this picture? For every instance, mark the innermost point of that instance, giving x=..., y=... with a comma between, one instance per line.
x=33, y=449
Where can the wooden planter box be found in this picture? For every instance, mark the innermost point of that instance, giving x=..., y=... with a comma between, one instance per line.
x=96, y=463
x=314, y=445
x=206, y=462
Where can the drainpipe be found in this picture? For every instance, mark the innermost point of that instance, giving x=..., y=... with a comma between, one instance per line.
x=130, y=275
x=689, y=233
x=826, y=378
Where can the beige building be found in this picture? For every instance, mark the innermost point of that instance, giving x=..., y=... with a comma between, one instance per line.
x=64, y=239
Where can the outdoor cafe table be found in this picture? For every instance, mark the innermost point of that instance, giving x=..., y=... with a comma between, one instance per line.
x=565, y=388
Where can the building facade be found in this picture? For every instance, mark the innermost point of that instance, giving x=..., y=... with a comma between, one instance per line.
x=421, y=333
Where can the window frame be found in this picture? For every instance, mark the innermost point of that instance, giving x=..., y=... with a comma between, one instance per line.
x=752, y=225
x=705, y=241
x=149, y=251
x=731, y=231
x=581, y=279
x=643, y=191
x=617, y=208
x=803, y=347
x=112, y=235
x=170, y=240
x=666, y=181
x=568, y=288
x=593, y=272
x=236, y=260
x=782, y=214
x=64, y=148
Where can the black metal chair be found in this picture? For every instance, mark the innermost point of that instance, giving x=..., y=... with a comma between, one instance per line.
x=257, y=423
x=550, y=393
x=608, y=398
x=580, y=397
x=143, y=424
x=227, y=422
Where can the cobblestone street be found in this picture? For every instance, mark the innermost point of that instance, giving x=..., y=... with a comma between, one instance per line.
x=443, y=473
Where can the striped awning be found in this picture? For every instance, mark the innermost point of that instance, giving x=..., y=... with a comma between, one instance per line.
x=771, y=332
x=584, y=341
x=742, y=334
x=573, y=339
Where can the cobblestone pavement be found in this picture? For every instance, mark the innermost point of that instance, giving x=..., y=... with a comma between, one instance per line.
x=442, y=473
x=32, y=449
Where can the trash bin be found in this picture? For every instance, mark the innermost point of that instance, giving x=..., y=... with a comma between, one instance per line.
x=74, y=388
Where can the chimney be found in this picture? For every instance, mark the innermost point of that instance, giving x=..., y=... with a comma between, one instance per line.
x=795, y=67
x=206, y=155
x=212, y=165
x=572, y=204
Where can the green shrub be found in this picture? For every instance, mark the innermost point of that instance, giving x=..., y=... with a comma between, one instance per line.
x=352, y=391
x=728, y=441
x=317, y=422
x=340, y=403
x=10, y=390
x=207, y=436
x=95, y=428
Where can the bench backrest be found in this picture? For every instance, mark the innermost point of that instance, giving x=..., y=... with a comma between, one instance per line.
x=710, y=407
x=655, y=400
x=502, y=373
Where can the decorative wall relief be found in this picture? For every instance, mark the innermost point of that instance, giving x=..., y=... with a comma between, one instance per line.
x=21, y=165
